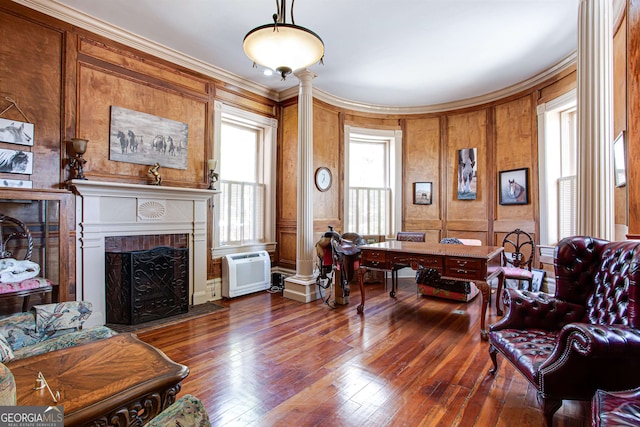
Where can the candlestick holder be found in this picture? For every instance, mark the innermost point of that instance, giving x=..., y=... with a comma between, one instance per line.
x=77, y=163
x=213, y=178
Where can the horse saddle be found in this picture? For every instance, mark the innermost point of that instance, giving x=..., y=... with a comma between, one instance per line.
x=345, y=247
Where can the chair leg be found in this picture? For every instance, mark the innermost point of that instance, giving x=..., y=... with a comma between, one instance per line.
x=492, y=353
x=549, y=407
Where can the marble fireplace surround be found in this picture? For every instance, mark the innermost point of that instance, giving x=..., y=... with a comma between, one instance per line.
x=117, y=209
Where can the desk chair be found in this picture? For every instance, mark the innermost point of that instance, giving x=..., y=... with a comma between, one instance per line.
x=403, y=236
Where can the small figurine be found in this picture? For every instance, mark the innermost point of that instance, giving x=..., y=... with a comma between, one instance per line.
x=154, y=171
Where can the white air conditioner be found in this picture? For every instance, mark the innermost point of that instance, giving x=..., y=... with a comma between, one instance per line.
x=245, y=273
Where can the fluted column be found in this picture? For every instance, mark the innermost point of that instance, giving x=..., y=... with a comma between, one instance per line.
x=302, y=287
x=595, y=214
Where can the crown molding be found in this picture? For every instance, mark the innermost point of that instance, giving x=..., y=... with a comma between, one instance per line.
x=560, y=67
x=82, y=20
x=102, y=28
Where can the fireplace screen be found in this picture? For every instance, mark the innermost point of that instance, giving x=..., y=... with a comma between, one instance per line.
x=146, y=285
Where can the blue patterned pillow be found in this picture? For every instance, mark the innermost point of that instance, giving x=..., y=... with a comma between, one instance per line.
x=60, y=316
x=6, y=353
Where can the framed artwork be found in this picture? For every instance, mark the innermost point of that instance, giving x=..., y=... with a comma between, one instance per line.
x=422, y=193
x=16, y=183
x=142, y=138
x=620, y=160
x=538, y=278
x=467, y=174
x=16, y=161
x=514, y=186
x=16, y=132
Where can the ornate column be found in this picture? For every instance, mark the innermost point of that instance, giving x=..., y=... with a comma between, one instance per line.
x=302, y=287
x=595, y=214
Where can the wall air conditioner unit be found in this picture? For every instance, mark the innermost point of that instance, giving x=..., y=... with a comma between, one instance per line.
x=245, y=273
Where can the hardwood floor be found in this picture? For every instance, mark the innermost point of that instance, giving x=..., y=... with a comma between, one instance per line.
x=409, y=361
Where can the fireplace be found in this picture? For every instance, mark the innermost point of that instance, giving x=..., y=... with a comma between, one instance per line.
x=106, y=210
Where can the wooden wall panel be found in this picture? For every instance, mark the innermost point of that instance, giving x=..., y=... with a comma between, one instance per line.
x=101, y=89
x=421, y=163
x=633, y=112
x=516, y=148
x=620, y=111
x=31, y=74
x=128, y=60
x=287, y=248
x=327, y=152
x=288, y=159
x=467, y=131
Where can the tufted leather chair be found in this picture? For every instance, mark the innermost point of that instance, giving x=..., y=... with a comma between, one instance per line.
x=585, y=337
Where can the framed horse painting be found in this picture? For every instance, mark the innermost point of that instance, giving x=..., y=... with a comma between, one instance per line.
x=514, y=187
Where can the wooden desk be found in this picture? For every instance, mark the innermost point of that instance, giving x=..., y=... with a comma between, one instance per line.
x=459, y=262
x=119, y=380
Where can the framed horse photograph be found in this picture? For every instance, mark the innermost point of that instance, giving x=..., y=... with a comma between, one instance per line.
x=514, y=186
x=15, y=132
x=467, y=174
x=137, y=137
x=16, y=161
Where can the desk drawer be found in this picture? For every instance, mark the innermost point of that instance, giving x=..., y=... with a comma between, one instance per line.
x=425, y=261
x=374, y=259
x=463, y=267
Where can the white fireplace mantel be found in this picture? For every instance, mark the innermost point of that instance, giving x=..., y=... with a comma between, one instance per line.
x=105, y=209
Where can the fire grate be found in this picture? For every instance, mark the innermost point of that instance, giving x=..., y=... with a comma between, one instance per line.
x=142, y=286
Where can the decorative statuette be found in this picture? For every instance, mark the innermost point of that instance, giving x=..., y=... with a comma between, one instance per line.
x=153, y=170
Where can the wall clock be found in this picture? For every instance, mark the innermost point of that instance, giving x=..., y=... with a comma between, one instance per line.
x=323, y=178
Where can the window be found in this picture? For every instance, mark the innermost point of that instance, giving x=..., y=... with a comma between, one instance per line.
x=557, y=130
x=245, y=208
x=373, y=184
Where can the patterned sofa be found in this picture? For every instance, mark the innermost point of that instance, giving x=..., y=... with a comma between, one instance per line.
x=56, y=326
x=45, y=328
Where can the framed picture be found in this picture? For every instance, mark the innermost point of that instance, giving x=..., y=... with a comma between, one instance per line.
x=467, y=174
x=422, y=192
x=620, y=160
x=136, y=137
x=538, y=278
x=514, y=187
x=16, y=161
x=16, y=132
x=15, y=183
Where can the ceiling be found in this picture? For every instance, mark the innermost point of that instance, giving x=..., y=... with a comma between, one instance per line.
x=404, y=53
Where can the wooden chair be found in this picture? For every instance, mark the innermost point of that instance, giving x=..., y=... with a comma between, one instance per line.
x=13, y=235
x=519, y=250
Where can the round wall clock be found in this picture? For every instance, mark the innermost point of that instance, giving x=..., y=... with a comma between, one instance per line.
x=323, y=178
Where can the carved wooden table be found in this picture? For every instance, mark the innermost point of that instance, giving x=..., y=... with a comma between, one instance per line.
x=119, y=380
x=478, y=264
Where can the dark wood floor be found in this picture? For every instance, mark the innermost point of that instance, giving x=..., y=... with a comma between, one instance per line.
x=410, y=361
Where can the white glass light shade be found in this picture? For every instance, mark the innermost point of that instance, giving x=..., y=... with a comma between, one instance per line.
x=286, y=49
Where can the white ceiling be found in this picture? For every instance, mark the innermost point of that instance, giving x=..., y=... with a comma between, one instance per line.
x=400, y=53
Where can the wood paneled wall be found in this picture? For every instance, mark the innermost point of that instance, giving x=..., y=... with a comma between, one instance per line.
x=66, y=79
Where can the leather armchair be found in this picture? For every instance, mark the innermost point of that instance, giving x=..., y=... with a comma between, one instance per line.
x=586, y=336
